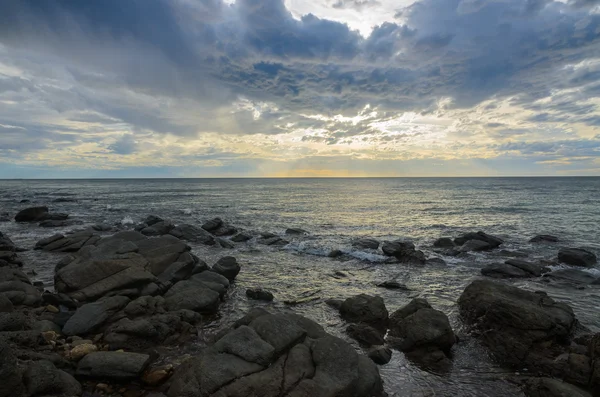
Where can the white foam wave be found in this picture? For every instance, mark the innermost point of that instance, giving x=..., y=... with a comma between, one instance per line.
x=187, y=211
x=127, y=221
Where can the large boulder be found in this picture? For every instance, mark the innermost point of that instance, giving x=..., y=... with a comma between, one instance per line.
x=92, y=316
x=15, y=286
x=521, y=328
x=191, y=295
x=423, y=333
x=577, y=257
x=158, y=229
x=366, y=309
x=516, y=268
x=212, y=224
x=33, y=214
x=42, y=378
x=115, y=366
x=277, y=355
x=70, y=243
x=404, y=251
x=10, y=376
x=492, y=241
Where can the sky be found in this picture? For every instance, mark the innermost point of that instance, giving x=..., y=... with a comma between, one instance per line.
x=299, y=88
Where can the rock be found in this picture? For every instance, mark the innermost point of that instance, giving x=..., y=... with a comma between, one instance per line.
x=192, y=296
x=503, y=270
x=42, y=378
x=227, y=267
x=366, y=243
x=295, y=231
x=548, y=387
x=531, y=268
x=6, y=305
x=4, y=217
x=573, y=276
x=271, y=358
x=212, y=277
x=475, y=245
x=70, y=243
x=158, y=229
x=519, y=327
x=365, y=309
x=225, y=230
x=180, y=271
x=276, y=240
x=404, y=251
x=365, y=335
x=11, y=385
x=335, y=253
x=117, y=366
x=82, y=350
x=15, y=286
x=393, y=284
x=152, y=220
x=225, y=243
x=241, y=237
x=443, y=242
x=335, y=303
x=380, y=355
x=544, y=238
x=577, y=257
x=259, y=294
x=212, y=224
x=6, y=243
x=33, y=214
x=64, y=200
x=573, y=368
x=91, y=316
x=157, y=376
x=193, y=234
x=53, y=223
x=493, y=241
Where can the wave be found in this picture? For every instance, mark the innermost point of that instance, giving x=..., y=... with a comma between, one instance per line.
x=127, y=221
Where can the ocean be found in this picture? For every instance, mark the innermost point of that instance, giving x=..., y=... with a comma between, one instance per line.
x=334, y=212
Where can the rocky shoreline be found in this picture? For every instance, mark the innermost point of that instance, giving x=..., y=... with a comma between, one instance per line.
x=120, y=295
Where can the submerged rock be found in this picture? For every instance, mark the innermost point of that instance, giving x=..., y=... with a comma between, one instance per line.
x=544, y=238
x=295, y=231
x=443, y=242
x=212, y=224
x=259, y=294
x=404, y=251
x=366, y=243
x=393, y=284
x=514, y=268
x=277, y=355
x=241, y=237
x=227, y=267
x=492, y=241
x=573, y=276
x=577, y=257
x=521, y=328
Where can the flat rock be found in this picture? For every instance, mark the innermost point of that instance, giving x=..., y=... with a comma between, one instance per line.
x=475, y=246
x=577, y=257
x=91, y=316
x=295, y=231
x=193, y=234
x=117, y=366
x=532, y=268
x=366, y=243
x=241, y=237
x=503, y=270
x=245, y=343
x=195, y=297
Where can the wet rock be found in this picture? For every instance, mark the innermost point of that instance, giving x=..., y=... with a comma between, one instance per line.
x=380, y=355
x=193, y=234
x=51, y=223
x=227, y=267
x=91, y=316
x=335, y=253
x=503, y=270
x=393, y=284
x=365, y=309
x=544, y=238
x=10, y=384
x=259, y=294
x=534, y=269
x=42, y=378
x=573, y=368
x=577, y=257
x=56, y=216
x=158, y=229
x=15, y=286
x=33, y=214
x=82, y=350
x=548, y=387
x=366, y=243
x=102, y=227
x=521, y=328
x=573, y=276
x=117, y=366
x=295, y=231
x=493, y=241
x=282, y=362
x=180, y=271
x=423, y=332
x=6, y=305
x=225, y=230
x=212, y=277
x=404, y=251
x=70, y=243
x=335, y=303
x=212, y=224
x=475, y=246
x=4, y=217
x=223, y=243
x=443, y=242
x=365, y=334
x=153, y=220
x=241, y=237
x=6, y=243
x=157, y=376
x=192, y=296
x=275, y=240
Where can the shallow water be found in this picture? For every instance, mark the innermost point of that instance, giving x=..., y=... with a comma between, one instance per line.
x=335, y=211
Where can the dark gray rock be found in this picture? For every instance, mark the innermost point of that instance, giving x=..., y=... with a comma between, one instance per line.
x=15, y=286
x=10, y=376
x=272, y=358
x=179, y=271
x=521, y=328
x=152, y=220
x=548, y=387
x=532, y=268
x=380, y=355
x=71, y=243
x=117, y=366
x=53, y=223
x=393, y=284
x=6, y=243
x=193, y=296
x=158, y=229
x=42, y=378
x=503, y=270
x=295, y=231
x=573, y=276
x=544, y=238
x=15, y=321
x=275, y=240
x=241, y=237
x=145, y=306
x=259, y=294
x=475, y=245
x=223, y=243
x=366, y=243
x=225, y=230
x=227, y=267
x=365, y=334
x=212, y=277
x=577, y=257
x=212, y=224
x=404, y=251
x=6, y=306
x=493, y=241
x=33, y=214
x=365, y=309
x=91, y=316
x=193, y=234
x=443, y=242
